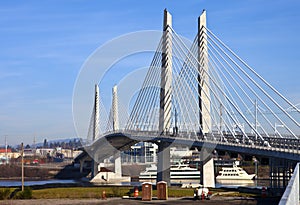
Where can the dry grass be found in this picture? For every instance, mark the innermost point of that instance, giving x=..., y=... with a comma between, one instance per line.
x=79, y=192
x=96, y=192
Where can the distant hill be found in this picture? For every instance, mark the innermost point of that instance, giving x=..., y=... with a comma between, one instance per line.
x=68, y=143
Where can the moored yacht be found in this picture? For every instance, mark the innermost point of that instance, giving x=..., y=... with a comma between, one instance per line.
x=178, y=173
x=234, y=173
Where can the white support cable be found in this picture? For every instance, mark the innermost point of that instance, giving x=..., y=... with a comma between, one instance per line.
x=234, y=80
x=154, y=112
x=154, y=102
x=184, y=99
x=90, y=128
x=200, y=85
x=181, y=95
x=144, y=110
x=235, y=119
x=177, y=94
x=224, y=95
x=230, y=103
x=181, y=90
x=148, y=80
x=154, y=105
x=249, y=87
x=154, y=119
x=123, y=115
x=104, y=117
x=151, y=91
x=193, y=50
x=109, y=126
x=261, y=89
x=150, y=77
x=238, y=86
x=226, y=101
x=223, y=84
x=182, y=79
x=255, y=73
x=196, y=88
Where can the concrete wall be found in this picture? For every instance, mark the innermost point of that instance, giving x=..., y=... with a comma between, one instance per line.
x=291, y=194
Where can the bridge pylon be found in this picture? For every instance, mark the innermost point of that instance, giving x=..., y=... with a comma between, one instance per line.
x=207, y=169
x=163, y=164
x=115, y=113
x=96, y=128
x=203, y=78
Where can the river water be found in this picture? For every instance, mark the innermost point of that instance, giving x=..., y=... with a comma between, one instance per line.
x=14, y=183
x=227, y=183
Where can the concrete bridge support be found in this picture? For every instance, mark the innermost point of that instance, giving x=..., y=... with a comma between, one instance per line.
x=94, y=167
x=207, y=178
x=281, y=171
x=115, y=113
x=163, y=164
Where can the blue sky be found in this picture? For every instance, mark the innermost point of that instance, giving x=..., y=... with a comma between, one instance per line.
x=45, y=43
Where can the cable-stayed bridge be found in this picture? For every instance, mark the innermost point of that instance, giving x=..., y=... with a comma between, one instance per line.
x=200, y=95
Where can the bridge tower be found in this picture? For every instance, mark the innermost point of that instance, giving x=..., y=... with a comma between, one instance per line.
x=96, y=114
x=115, y=114
x=96, y=127
x=163, y=164
x=207, y=170
x=203, y=79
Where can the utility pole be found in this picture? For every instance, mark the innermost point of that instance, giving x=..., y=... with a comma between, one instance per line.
x=255, y=125
x=22, y=161
x=6, y=159
x=34, y=148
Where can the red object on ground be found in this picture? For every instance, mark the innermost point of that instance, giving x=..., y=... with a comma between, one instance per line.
x=103, y=195
x=202, y=195
x=136, y=192
x=263, y=192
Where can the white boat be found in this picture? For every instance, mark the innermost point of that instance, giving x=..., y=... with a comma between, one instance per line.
x=234, y=173
x=178, y=173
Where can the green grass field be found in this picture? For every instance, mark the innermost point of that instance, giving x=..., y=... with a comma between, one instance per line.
x=96, y=192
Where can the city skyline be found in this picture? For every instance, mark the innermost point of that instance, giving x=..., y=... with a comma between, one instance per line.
x=44, y=45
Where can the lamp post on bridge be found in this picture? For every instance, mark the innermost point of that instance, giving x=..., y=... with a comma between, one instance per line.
x=275, y=128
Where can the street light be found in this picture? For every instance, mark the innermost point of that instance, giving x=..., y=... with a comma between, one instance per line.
x=22, y=158
x=256, y=169
x=275, y=128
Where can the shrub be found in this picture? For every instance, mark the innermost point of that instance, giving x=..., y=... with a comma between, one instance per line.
x=4, y=193
x=116, y=191
x=26, y=194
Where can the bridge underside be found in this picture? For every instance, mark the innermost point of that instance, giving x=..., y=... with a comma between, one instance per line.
x=109, y=145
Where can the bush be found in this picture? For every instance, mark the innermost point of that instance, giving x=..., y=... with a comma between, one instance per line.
x=26, y=194
x=116, y=192
x=4, y=193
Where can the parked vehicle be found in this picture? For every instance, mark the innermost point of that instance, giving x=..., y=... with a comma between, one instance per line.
x=202, y=193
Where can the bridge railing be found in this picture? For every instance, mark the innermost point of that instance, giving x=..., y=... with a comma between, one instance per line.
x=291, y=194
x=287, y=145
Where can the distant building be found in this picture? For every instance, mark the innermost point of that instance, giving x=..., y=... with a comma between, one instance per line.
x=142, y=152
x=146, y=153
x=6, y=155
